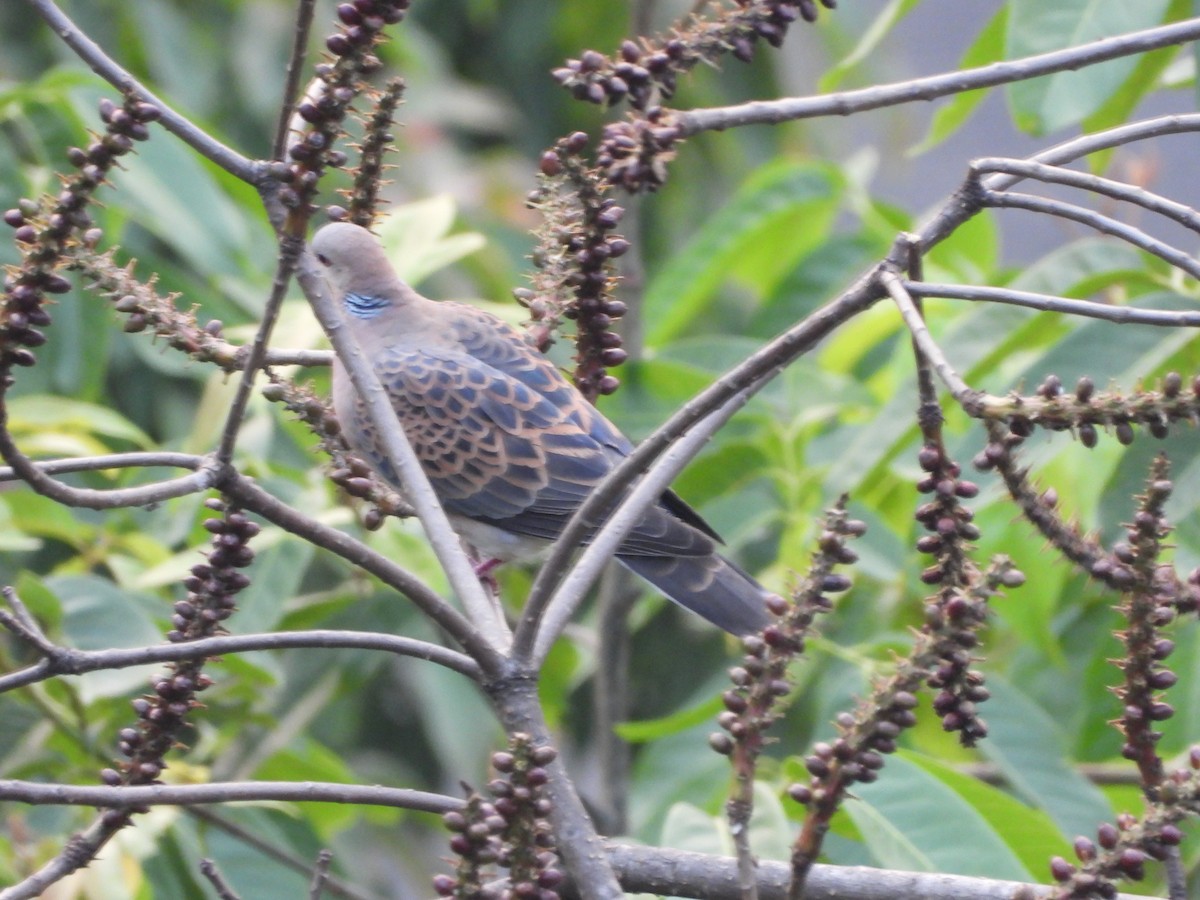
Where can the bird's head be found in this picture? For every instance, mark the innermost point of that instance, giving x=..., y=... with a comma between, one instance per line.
x=355, y=265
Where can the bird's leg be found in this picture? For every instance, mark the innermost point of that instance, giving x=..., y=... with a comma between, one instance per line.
x=484, y=570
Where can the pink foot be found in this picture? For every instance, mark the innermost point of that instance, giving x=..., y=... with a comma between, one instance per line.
x=484, y=570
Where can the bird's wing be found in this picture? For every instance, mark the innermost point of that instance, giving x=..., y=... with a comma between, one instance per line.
x=497, y=344
x=498, y=451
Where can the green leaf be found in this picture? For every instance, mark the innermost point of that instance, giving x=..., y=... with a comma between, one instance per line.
x=879, y=29
x=656, y=729
x=1041, y=105
x=45, y=422
x=1030, y=750
x=953, y=113
x=913, y=819
x=416, y=236
x=1030, y=833
x=778, y=215
x=98, y=616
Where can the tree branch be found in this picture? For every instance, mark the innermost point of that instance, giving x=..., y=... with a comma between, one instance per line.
x=1118, y=315
x=772, y=112
x=126, y=796
x=251, y=497
x=557, y=610
x=684, y=874
x=59, y=660
x=442, y=537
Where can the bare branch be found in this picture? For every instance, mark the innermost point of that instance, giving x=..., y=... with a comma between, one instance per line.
x=103, y=65
x=1118, y=315
x=126, y=796
x=289, y=249
x=1100, y=222
x=445, y=542
x=147, y=459
x=751, y=375
x=304, y=19
x=70, y=661
x=253, y=498
x=320, y=875
x=209, y=870
x=924, y=341
x=1178, y=212
x=207, y=475
x=684, y=874
x=772, y=112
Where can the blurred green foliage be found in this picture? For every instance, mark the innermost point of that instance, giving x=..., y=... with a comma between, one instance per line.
x=754, y=231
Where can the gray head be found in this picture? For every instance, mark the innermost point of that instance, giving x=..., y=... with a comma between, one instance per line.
x=354, y=261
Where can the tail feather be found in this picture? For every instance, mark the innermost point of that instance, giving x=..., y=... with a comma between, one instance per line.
x=710, y=586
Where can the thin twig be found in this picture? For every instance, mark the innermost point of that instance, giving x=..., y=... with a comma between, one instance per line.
x=138, y=459
x=103, y=65
x=1118, y=315
x=207, y=474
x=928, y=347
x=1171, y=209
x=208, y=868
x=772, y=112
x=289, y=249
x=271, y=851
x=70, y=661
x=40, y=793
x=1098, y=221
x=304, y=19
x=320, y=875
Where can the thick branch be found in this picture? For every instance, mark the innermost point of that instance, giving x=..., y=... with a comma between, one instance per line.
x=683, y=874
x=789, y=109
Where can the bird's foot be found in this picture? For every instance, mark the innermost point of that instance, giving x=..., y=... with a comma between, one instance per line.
x=484, y=570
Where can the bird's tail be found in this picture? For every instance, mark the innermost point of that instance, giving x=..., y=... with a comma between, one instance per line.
x=710, y=586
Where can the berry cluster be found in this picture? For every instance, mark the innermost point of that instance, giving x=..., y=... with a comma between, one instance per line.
x=47, y=230
x=368, y=177
x=868, y=734
x=162, y=714
x=1085, y=410
x=641, y=70
x=634, y=154
x=1150, y=605
x=574, y=262
x=1121, y=851
x=349, y=472
x=311, y=150
x=762, y=678
x=510, y=830
x=956, y=613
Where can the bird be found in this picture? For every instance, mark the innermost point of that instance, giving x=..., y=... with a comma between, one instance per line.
x=509, y=444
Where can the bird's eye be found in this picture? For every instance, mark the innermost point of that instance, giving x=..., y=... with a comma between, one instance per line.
x=323, y=259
